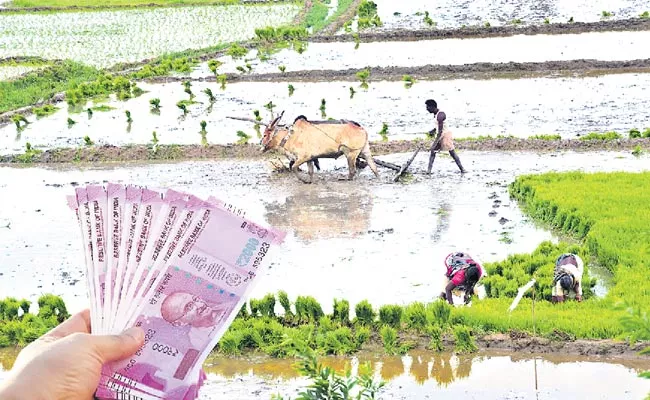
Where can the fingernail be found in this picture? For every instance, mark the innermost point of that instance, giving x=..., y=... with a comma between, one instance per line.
x=135, y=332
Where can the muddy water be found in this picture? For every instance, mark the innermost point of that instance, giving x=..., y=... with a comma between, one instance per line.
x=523, y=48
x=363, y=240
x=567, y=106
x=453, y=14
x=421, y=374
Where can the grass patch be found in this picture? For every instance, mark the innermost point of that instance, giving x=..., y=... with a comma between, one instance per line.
x=546, y=137
x=602, y=136
x=41, y=85
x=46, y=110
x=29, y=155
x=316, y=16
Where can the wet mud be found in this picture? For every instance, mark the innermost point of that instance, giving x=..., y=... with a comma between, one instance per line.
x=110, y=153
x=479, y=70
x=632, y=24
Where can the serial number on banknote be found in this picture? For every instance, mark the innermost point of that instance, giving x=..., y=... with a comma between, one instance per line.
x=165, y=349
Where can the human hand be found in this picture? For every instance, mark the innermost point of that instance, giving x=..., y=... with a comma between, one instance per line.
x=578, y=298
x=66, y=362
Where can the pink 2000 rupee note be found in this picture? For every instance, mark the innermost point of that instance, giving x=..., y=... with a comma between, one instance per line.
x=86, y=227
x=86, y=246
x=151, y=204
x=116, y=196
x=97, y=203
x=175, y=206
x=201, y=291
x=132, y=198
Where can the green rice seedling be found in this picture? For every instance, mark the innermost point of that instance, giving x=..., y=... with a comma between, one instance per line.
x=128, y=116
x=634, y=133
x=257, y=115
x=243, y=312
x=188, y=89
x=352, y=92
x=103, y=108
x=204, y=134
x=547, y=21
x=222, y=80
x=415, y=316
x=391, y=315
x=341, y=311
x=282, y=68
x=362, y=335
x=182, y=105
x=607, y=14
x=208, y=92
x=367, y=13
x=154, y=138
x=241, y=69
x=357, y=41
x=546, y=137
x=464, y=340
x=308, y=309
x=29, y=155
x=267, y=306
x=645, y=15
x=338, y=342
x=18, y=119
x=88, y=141
x=325, y=324
x=236, y=51
x=602, y=136
x=384, y=132
x=389, y=339
x=155, y=105
x=283, y=298
x=203, y=125
x=435, y=333
x=270, y=106
x=365, y=315
x=230, y=343
x=214, y=66
x=249, y=67
x=571, y=20
x=323, y=108
x=363, y=76
x=71, y=122
x=438, y=312
x=90, y=113
x=255, y=307
x=45, y=110
x=487, y=24
x=408, y=81
x=291, y=89
x=637, y=151
x=427, y=19
x=646, y=133
x=516, y=21
x=243, y=137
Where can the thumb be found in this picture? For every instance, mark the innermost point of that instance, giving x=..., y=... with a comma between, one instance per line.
x=118, y=347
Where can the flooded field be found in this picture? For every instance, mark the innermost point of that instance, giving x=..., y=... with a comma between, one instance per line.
x=421, y=375
x=565, y=106
x=453, y=14
x=522, y=48
x=340, y=234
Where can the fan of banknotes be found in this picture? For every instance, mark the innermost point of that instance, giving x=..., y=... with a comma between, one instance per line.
x=177, y=266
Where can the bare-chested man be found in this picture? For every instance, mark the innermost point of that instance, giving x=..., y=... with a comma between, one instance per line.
x=443, y=140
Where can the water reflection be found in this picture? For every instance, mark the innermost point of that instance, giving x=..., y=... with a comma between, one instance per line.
x=317, y=212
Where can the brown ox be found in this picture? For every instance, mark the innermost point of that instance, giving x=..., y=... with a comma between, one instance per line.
x=306, y=141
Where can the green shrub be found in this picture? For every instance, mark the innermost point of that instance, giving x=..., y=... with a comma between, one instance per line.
x=464, y=340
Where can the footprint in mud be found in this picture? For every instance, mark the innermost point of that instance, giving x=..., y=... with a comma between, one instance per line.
x=492, y=213
x=494, y=195
x=503, y=220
